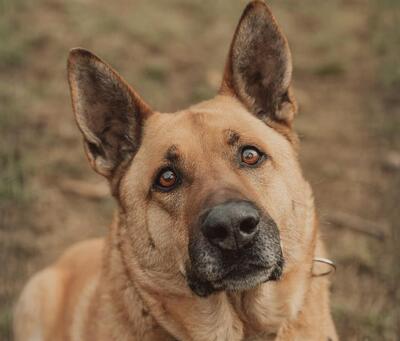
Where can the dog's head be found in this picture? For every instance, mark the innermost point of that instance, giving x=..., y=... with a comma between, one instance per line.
x=213, y=192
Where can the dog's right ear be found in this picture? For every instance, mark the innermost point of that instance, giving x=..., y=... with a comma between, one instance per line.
x=108, y=112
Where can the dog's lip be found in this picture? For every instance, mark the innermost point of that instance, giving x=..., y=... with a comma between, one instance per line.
x=250, y=269
x=262, y=273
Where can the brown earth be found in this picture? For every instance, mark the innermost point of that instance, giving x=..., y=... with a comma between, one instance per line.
x=347, y=81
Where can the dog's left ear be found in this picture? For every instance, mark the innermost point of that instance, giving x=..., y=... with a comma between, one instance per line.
x=259, y=67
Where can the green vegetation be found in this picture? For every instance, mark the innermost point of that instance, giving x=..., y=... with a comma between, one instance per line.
x=386, y=38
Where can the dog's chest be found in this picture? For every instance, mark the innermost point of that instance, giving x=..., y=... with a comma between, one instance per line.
x=261, y=313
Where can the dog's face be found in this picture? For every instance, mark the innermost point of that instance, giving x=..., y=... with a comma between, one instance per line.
x=214, y=187
x=214, y=192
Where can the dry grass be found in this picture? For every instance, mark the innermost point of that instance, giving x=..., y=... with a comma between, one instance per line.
x=347, y=79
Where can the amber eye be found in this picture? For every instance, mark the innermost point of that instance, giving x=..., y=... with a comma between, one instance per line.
x=251, y=155
x=166, y=179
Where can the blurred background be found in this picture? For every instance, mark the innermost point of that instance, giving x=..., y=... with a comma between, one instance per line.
x=347, y=81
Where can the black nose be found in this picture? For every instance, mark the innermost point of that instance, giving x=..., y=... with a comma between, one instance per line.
x=231, y=225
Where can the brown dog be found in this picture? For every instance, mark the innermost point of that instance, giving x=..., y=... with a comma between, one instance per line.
x=215, y=233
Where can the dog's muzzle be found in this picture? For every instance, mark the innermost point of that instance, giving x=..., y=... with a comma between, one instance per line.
x=234, y=247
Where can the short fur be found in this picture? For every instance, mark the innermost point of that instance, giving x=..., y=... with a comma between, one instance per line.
x=135, y=284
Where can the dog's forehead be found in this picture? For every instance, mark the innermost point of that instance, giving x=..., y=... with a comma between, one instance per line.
x=207, y=130
x=206, y=124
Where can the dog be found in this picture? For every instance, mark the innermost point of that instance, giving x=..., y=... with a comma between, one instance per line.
x=215, y=232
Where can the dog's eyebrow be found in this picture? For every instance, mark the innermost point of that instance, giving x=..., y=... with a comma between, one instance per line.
x=172, y=154
x=232, y=137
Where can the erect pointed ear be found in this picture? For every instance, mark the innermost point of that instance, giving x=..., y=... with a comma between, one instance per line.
x=108, y=112
x=259, y=67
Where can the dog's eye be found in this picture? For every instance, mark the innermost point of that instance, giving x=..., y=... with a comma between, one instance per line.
x=251, y=155
x=166, y=179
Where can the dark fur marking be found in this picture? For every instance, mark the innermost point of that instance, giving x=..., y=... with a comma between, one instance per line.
x=172, y=154
x=96, y=150
x=233, y=137
x=151, y=243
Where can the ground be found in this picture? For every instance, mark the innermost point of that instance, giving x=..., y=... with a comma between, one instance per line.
x=347, y=82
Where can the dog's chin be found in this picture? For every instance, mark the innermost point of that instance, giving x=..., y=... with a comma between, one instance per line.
x=235, y=280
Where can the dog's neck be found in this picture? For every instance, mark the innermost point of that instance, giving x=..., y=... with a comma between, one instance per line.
x=221, y=316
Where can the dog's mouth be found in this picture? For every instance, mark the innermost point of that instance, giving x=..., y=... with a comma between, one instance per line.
x=246, y=277
x=238, y=278
x=214, y=267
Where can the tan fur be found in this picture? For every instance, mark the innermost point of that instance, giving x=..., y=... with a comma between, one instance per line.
x=132, y=303
x=132, y=286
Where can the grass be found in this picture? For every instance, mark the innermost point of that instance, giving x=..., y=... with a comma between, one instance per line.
x=15, y=43
x=12, y=168
x=333, y=68
x=15, y=167
x=386, y=41
x=387, y=48
x=13, y=50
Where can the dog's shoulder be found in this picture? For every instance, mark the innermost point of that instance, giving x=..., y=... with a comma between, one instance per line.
x=58, y=293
